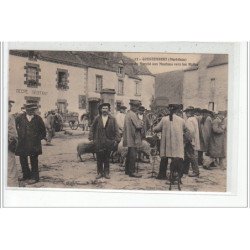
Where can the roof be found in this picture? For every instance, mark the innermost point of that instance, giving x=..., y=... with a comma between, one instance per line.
x=219, y=59
x=191, y=68
x=100, y=60
x=64, y=57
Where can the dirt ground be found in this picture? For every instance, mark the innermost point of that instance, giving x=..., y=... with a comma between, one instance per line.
x=60, y=168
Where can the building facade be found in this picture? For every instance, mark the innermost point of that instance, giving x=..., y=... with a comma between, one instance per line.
x=203, y=86
x=77, y=81
x=53, y=82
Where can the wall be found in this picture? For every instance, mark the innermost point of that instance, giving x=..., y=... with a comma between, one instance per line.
x=169, y=87
x=110, y=80
x=148, y=90
x=190, y=89
x=197, y=85
x=220, y=73
x=47, y=91
x=197, y=93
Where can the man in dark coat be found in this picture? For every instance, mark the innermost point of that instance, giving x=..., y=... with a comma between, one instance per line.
x=132, y=137
x=216, y=147
x=31, y=130
x=105, y=134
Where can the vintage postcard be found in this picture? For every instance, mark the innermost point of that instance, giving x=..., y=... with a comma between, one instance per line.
x=118, y=120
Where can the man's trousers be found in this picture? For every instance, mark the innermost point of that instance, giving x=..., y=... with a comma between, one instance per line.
x=27, y=173
x=130, y=161
x=102, y=158
x=191, y=156
x=12, y=171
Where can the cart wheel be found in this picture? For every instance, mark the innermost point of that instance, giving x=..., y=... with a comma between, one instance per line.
x=73, y=125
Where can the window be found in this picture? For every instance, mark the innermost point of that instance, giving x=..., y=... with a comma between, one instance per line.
x=98, y=86
x=120, y=71
x=32, y=55
x=62, y=79
x=32, y=75
x=120, y=87
x=137, y=88
x=82, y=101
x=211, y=106
x=212, y=89
x=62, y=106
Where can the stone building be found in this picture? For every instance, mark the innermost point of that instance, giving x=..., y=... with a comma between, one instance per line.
x=204, y=85
x=77, y=81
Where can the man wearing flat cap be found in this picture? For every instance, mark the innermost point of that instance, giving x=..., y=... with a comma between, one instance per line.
x=132, y=137
x=105, y=134
x=12, y=142
x=31, y=130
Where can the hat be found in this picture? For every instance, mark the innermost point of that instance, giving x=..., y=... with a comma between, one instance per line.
x=103, y=105
x=197, y=110
x=123, y=107
x=222, y=112
x=31, y=101
x=142, y=108
x=189, y=108
x=205, y=111
x=135, y=103
x=31, y=106
x=175, y=106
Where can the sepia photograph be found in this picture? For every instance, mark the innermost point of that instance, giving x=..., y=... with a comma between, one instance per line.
x=152, y=121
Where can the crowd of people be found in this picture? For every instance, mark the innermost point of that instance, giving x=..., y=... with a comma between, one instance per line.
x=192, y=136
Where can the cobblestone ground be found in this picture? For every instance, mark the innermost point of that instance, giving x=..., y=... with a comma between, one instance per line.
x=60, y=168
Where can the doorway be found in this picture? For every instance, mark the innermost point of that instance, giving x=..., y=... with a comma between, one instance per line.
x=93, y=109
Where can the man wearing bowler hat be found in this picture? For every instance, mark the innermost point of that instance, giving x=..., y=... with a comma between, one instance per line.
x=31, y=130
x=132, y=137
x=105, y=134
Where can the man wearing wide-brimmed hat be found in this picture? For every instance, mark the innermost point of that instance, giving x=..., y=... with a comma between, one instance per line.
x=192, y=147
x=105, y=134
x=132, y=137
x=12, y=142
x=172, y=128
x=31, y=130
